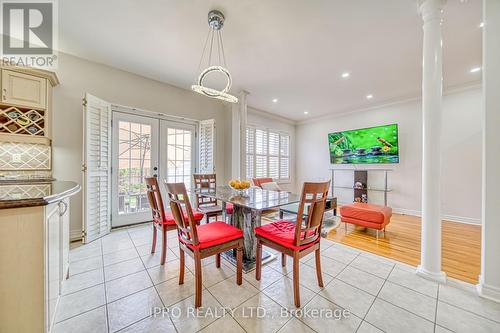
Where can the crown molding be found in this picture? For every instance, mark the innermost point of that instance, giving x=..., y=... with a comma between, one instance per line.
x=272, y=116
x=392, y=102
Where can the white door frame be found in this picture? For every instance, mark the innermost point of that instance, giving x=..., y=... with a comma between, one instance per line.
x=132, y=218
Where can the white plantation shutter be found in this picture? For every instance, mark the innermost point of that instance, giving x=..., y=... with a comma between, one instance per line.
x=284, y=157
x=273, y=158
x=267, y=154
x=97, y=168
x=260, y=153
x=250, y=152
x=207, y=146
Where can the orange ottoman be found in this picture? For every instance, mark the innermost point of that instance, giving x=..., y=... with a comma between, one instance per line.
x=366, y=215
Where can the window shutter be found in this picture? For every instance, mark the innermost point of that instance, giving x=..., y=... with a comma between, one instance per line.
x=267, y=154
x=250, y=152
x=207, y=146
x=97, y=168
x=284, y=157
x=274, y=148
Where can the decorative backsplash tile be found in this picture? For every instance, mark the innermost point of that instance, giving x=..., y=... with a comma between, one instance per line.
x=18, y=192
x=24, y=156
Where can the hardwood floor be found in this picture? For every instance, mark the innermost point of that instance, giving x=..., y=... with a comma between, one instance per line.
x=461, y=248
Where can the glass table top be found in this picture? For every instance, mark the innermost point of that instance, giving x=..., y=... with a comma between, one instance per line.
x=253, y=198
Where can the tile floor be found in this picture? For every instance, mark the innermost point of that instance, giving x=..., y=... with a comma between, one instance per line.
x=115, y=283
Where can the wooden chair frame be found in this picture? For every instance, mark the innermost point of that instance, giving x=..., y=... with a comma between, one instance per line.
x=187, y=231
x=158, y=211
x=307, y=231
x=208, y=206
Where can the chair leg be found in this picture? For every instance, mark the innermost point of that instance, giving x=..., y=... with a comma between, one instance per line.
x=197, y=273
x=239, y=265
x=163, y=246
x=318, y=268
x=296, y=293
x=377, y=234
x=345, y=227
x=181, y=266
x=154, y=239
x=283, y=260
x=217, y=260
x=258, y=260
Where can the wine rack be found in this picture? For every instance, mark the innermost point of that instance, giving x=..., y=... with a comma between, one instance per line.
x=14, y=120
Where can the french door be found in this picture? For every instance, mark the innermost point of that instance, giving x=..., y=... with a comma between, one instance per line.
x=177, y=153
x=135, y=156
x=144, y=147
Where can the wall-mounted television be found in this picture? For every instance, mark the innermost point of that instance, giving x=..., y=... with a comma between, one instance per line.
x=373, y=145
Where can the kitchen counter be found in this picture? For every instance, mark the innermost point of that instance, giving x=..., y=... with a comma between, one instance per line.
x=18, y=194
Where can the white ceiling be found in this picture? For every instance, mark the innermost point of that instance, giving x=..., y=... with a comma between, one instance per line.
x=293, y=50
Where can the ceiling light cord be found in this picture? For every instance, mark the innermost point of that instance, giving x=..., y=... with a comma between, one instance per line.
x=215, y=22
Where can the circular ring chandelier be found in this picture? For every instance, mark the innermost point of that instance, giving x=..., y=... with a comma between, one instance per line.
x=215, y=23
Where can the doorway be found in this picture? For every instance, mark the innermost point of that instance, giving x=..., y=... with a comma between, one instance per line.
x=143, y=147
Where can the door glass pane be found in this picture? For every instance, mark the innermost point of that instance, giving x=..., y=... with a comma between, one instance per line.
x=134, y=163
x=179, y=155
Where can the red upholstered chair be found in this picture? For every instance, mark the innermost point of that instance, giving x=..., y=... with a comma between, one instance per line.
x=164, y=221
x=296, y=239
x=202, y=241
x=259, y=181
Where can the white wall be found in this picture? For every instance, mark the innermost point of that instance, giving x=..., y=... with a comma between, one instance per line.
x=265, y=120
x=78, y=76
x=461, y=176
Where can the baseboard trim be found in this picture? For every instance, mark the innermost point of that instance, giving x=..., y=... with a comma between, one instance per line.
x=438, y=277
x=489, y=292
x=452, y=218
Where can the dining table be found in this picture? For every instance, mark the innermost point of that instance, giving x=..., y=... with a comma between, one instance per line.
x=248, y=208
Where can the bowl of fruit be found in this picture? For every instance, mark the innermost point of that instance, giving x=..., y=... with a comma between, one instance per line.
x=239, y=186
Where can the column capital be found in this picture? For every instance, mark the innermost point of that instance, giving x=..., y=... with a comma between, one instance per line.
x=430, y=9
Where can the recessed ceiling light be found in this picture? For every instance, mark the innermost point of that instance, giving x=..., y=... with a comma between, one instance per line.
x=370, y=96
x=275, y=100
x=475, y=69
x=481, y=25
x=306, y=112
x=345, y=75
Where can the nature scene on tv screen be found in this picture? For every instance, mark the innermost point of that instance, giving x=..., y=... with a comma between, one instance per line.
x=365, y=146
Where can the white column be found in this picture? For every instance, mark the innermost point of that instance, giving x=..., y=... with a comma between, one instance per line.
x=235, y=141
x=238, y=133
x=489, y=280
x=243, y=128
x=432, y=95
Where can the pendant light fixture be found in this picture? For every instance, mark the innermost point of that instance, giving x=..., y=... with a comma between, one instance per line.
x=214, y=58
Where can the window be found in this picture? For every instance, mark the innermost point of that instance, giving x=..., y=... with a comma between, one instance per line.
x=267, y=154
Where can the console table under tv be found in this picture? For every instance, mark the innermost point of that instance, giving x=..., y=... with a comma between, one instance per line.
x=360, y=176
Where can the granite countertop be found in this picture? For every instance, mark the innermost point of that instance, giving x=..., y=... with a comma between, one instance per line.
x=35, y=193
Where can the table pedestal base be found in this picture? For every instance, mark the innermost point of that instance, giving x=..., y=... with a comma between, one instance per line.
x=247, y=220
x=248, y=265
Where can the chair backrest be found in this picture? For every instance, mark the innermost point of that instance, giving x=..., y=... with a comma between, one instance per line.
x=205, y=182
x=308, y=230
x=179, y=204
x=155, y=199
x=259, y=181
